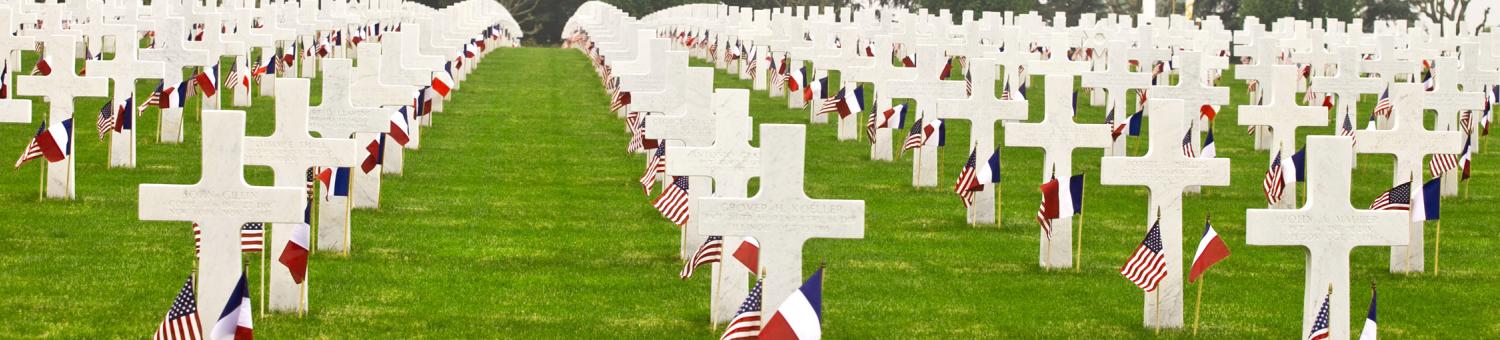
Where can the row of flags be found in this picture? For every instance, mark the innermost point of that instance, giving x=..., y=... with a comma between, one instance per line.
x=183, y=323
x=182, y=320
x=799, y=317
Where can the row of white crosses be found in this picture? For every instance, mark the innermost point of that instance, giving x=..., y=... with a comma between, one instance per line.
x=1335, y=58
x=221, y=201
x=708, y=139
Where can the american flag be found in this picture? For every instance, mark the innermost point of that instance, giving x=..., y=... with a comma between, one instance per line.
x=33, y=150
x=657, y=164
x=968, y=182
x=1441, y=163
x=1042, y=218
x=106, y=120
x=673, y=202
x=620, y=101
x=1253, y=87
x=637, y=136
x=870, y=126
x=750, y=65
x=1347, y=128
x=1427, y=82
x=1398, y=198
x=1116, y=129
x=746, y=323
x=1383, y=107
x=1466, y=121
x=1188, y=149
x=234, y=77
x=778, y=79
x=710, y=252
x=252, y=237
x=181, y=321
x=831, y=105
x=1320, y=326
x=914, y=137
x=155, y=99
x=968, y=83
x=1148, y=266
x=1274, y=182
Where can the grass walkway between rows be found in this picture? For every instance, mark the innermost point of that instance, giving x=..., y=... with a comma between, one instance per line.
x=520, y=217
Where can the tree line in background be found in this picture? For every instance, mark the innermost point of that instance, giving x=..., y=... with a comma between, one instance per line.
x=543, y=20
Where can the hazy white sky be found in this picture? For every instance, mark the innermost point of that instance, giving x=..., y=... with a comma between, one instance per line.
x=1476, y=8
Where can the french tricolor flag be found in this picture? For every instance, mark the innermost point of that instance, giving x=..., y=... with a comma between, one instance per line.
x=294, y=255
x=801, y=316
x=56, y=141
x=234, y=322
x=851, y=100
x=208, y=81
x=400, y=126
x=1211, y=250
x=172, y=97
x=442, y=82
x=748, y=254
x=43, y=67
x=335, y=182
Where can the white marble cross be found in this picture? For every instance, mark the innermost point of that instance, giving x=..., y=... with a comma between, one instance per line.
x=249, y=38
x=1449, y=101
x=216, y=47
x=1409, y=141
x=1168, y=173
x=1347, y=85
x=781, y=216
x=1058, y=135
x=1329, y=227
x=1284, y=116
x=1388, y=65
x=687, y=119
x=221, y=202
x=369, y=89
x=13, y=110
x=730, y=162
x=983, y=110
x=59, y=89
x=1196, y=90
x=928, y=90
x=394, y=72
x=869, y=70
x=1059, y=64
x=124, y=70
x=174, y=55
x=338, y=116
x=11, y=46
x=290, y=151
x=1116, y=81
x=1012, y=55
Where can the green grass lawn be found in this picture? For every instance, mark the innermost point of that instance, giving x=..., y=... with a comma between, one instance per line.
x=521, y=218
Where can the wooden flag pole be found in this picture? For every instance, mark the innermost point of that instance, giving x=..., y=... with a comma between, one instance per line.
x=263, y=289
x=1157, y=323
x=1047, y=250
x=1198, y=306
x=713, y=292
x=302, y=295
x=348, y=215
x=41, y=184
x=68, y=173
x=1078, y=255
x=1438, y=250
x=999, y=205
x=312, y=219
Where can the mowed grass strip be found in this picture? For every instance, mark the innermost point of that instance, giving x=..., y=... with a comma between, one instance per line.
x=520, y=217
